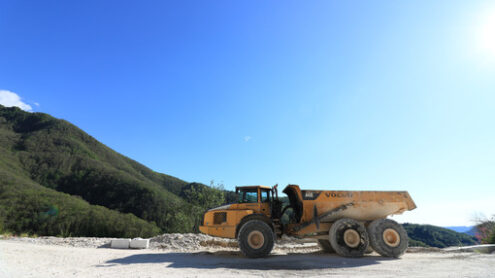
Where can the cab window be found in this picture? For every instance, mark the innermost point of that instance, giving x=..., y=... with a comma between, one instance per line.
x=248, y=196
x=265, y=196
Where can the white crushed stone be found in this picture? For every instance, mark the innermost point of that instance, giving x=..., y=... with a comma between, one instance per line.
x=22, y=259
x=174, y=242
x=195, y=242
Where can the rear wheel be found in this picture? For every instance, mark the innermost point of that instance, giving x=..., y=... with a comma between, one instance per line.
x=348, y=238
x=388, y=238
x=256, y=239
x=326, y=246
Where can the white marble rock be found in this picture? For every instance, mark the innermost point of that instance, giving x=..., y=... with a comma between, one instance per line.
x=139, y=243
x=122, y=243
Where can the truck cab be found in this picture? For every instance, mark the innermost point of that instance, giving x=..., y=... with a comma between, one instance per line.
x=256, y=198
x=253, y=202
x=253, y=220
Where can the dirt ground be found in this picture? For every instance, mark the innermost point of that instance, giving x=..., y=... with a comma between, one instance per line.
x=28, y=259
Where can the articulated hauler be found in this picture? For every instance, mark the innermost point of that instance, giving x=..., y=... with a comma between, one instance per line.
x=349, y=223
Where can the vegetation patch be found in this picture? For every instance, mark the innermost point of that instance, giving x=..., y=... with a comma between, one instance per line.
x=433, y=236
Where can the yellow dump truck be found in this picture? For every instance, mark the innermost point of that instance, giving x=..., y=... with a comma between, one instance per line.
x=349, y=223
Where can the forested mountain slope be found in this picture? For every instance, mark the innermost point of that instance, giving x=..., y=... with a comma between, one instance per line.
x=43, y=157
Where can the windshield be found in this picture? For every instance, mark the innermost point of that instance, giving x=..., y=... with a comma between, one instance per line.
x=248, y=195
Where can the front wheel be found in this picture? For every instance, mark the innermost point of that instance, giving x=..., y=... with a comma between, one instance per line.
x=256, y=239
x=348, y=238
x=388, y=238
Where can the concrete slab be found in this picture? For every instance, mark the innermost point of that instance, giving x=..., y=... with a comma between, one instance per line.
x=139, y=243
x=122, y=243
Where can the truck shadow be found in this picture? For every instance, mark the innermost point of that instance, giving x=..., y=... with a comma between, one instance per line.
x=234, y=260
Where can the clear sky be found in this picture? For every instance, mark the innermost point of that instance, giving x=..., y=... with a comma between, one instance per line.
x=357, y=95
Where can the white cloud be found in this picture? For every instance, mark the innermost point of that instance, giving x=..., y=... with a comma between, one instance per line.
x=37, y=104
x=10, y=99
x=247, y=138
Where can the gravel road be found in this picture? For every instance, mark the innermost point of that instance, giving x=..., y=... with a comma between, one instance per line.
x=167, y=257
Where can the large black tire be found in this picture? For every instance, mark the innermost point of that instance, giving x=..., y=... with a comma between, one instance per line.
x=256, y=239
x=326, y=246
x=388, y=238
x=348, y=238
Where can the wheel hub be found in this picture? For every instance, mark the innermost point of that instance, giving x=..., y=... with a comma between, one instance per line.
x=391, y=237
x=352, y=238
x=255, y=239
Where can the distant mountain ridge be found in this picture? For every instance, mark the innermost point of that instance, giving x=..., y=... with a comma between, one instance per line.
x=459, y=229
x=470, y=230
x=43, y=157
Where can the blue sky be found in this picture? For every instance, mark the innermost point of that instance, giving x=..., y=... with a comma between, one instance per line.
x=388, y=95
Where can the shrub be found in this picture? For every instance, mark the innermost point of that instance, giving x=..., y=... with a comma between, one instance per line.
x=485, y=230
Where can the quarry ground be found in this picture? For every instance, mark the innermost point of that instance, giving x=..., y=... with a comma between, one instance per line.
x=192, y=255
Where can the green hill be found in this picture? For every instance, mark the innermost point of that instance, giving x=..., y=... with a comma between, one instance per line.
x=428, y=235
x=57, y=180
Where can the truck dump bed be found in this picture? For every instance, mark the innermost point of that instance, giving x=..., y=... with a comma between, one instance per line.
x=329, y=206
